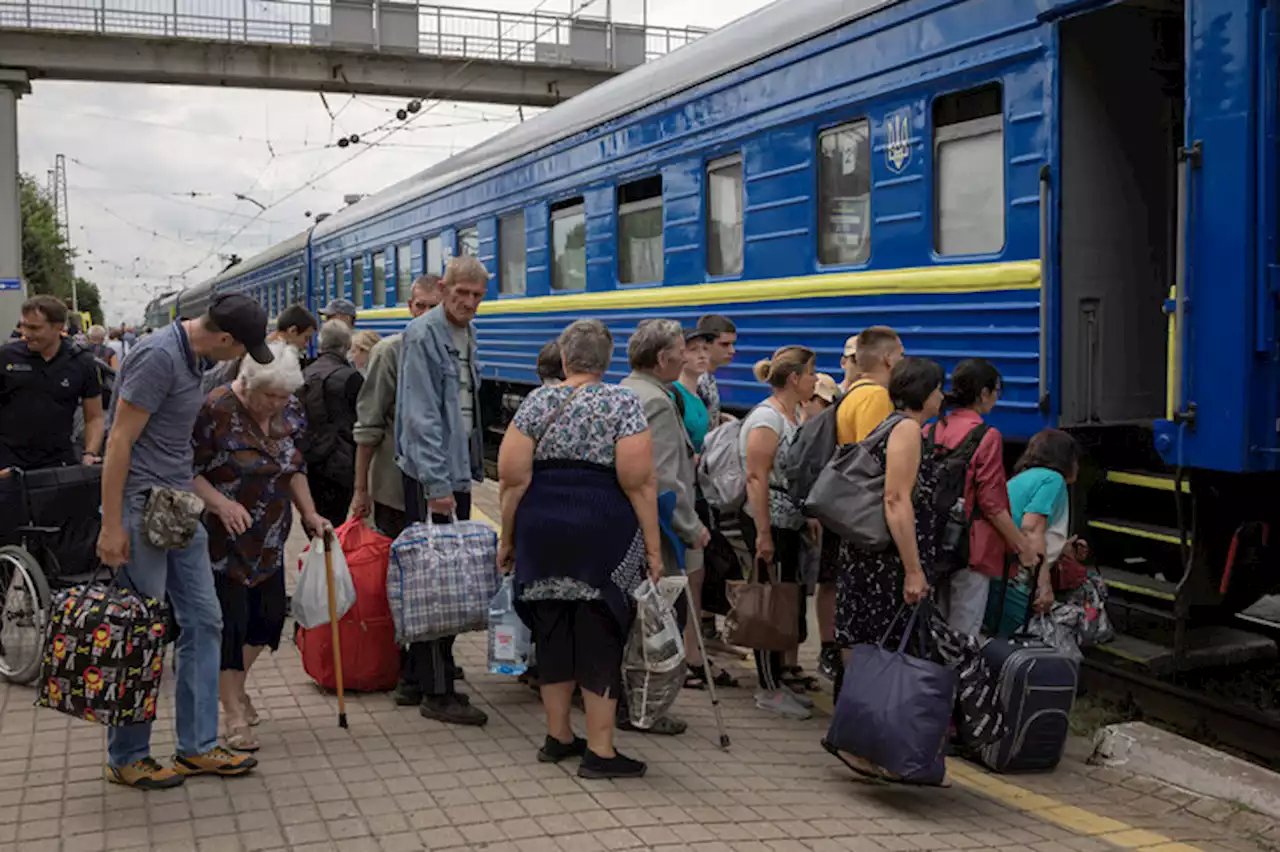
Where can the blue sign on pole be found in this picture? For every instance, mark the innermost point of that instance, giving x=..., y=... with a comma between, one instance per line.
x=10, y=284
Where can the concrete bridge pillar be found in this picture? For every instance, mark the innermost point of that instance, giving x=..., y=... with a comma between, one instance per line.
x=13, y=85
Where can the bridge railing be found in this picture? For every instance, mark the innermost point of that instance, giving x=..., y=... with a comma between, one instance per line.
x=383, y=26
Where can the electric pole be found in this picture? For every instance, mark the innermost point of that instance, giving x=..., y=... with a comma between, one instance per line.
x=63, y=215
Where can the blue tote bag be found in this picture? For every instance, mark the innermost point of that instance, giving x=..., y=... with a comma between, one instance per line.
x=895, y=708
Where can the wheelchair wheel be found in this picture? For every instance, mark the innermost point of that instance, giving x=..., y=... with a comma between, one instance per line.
x=24, y=613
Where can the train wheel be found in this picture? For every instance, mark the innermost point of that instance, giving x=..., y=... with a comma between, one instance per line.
x=24, y=613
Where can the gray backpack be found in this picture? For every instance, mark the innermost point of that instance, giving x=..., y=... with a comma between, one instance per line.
x=848, y=498
x=721, y=474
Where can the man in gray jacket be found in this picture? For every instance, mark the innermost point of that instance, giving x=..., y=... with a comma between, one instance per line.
x=656, y=353
x=439, y=449
x=379, y=485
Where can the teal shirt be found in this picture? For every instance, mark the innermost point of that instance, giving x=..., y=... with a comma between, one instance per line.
x=1040, y=491
x=696, y=419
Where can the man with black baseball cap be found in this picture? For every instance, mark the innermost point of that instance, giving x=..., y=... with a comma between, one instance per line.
x=157, y=400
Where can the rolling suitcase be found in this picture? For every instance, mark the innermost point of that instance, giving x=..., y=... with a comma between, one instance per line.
x=1037, y=685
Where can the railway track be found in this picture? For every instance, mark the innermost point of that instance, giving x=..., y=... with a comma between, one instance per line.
x=1218, y=722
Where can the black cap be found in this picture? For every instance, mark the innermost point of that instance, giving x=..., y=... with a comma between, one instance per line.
x=692, y=334
x=245, y=320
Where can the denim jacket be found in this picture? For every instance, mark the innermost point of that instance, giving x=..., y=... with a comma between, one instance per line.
x=431, y=444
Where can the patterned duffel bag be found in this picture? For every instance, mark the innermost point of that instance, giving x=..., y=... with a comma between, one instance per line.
x=104, y=654
x=441, y=579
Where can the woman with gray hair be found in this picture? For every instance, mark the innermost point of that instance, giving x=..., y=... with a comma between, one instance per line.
x=331, y=387
x=656, y=352
x=249, y=470
x=580, y=529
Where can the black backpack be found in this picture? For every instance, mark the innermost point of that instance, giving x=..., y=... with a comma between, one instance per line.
x=954, y=518
x=814, y=446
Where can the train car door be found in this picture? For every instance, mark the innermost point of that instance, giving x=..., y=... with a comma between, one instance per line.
x=1121, y=82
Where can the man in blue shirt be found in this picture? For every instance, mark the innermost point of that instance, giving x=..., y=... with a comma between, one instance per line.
x=439, y=451
x=154, y=411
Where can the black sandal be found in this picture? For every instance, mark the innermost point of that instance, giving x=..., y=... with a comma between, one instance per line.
x=795, y=677
x=696, y=678
x=864, y=773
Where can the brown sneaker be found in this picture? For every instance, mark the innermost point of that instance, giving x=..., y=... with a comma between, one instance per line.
x=145, y=774
x=215, y=761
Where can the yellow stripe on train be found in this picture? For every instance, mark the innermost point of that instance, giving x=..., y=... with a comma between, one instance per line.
x=958, y=279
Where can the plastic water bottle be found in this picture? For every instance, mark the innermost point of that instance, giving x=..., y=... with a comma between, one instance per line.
x=954, y=528
x=509, y=640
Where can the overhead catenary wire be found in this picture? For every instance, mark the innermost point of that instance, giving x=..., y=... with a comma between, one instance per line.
x=389, y=133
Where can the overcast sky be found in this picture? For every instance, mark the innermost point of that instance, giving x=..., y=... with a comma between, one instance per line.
x=153, y=171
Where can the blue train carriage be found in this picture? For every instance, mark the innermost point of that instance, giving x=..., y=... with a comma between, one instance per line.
x=1026, y=181
x=276, y=278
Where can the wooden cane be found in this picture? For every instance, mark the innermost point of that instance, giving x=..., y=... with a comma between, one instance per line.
x=333, y=626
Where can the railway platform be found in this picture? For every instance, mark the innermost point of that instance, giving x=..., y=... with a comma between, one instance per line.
x=395, y=781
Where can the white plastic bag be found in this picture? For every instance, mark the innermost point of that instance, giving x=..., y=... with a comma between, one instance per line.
x=311, y=597
x=510, y=643
x=653, y=664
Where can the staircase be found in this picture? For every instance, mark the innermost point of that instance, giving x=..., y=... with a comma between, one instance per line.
x=1139, y=526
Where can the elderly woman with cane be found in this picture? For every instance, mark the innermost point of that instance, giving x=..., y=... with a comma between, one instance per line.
x=250, y=473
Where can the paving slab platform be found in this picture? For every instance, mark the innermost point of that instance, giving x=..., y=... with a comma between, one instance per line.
x=395, y=781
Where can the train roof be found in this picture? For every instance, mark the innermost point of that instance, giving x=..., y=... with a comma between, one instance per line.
x=298, y=242
x=763, y=32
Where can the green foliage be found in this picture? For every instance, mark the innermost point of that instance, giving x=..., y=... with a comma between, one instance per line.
x=46, y=257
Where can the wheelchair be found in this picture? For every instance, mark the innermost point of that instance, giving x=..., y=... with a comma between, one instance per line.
x=49, y=524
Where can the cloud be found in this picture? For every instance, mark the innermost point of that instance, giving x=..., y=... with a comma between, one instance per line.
x=153, y=171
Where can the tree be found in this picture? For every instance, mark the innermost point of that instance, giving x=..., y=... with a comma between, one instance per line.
x=46, y=257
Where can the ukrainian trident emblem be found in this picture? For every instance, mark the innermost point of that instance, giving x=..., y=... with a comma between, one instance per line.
x=897, y=132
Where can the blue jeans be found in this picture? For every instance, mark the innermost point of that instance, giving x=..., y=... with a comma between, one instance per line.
x=186, y=576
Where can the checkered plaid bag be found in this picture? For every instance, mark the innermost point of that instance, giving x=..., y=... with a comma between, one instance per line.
x=441, y=579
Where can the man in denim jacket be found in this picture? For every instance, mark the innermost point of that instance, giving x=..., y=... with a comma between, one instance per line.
x=438, y=449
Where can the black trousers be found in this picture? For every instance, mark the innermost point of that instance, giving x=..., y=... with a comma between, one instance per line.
x=430, y=664
x=333, y=501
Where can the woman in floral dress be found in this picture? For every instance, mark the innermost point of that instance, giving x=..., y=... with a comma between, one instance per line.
x=580, y=530
x=250, y=473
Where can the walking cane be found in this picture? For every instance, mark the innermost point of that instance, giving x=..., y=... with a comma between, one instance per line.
x=333, y=626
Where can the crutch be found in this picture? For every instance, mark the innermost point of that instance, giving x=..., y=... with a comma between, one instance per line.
x=333, y=626
x=706, y=661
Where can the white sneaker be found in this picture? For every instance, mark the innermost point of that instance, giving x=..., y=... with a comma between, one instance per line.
x=783, y=703
x=800, y=698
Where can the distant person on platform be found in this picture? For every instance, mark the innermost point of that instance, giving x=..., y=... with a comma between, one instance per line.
x=295, y=326
x=330, y=389
x=340, y=309
x=439, y=449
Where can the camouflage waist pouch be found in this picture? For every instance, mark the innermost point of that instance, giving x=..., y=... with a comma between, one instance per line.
x=170, y=517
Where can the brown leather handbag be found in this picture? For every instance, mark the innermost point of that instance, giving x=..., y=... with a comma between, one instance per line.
x=763, y=616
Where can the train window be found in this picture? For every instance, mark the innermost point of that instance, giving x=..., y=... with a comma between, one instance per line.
x=469, y=241
x=640, y=258
x=569, y=245
x=357, y=282
x=296, y=298
x=511, y=255
x=968, y=157
x=330, y=276
x=432, y=251
x=844, y=194
x=380, y=278
x=404, y=273
x=724, y=216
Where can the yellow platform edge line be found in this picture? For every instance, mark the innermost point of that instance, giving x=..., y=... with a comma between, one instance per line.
x=1137, y=533
x=1144, y=480
x=478, y=515
x=954, y=279
x=1074, y=819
